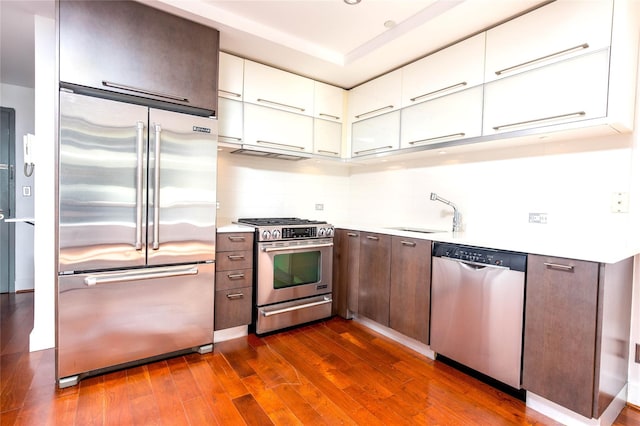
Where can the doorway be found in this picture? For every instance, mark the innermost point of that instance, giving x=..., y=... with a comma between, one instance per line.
x=7, y=199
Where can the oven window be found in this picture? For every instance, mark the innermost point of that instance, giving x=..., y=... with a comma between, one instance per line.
x=294, y=269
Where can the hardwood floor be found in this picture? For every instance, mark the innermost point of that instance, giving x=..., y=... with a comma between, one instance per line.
x=334, y=372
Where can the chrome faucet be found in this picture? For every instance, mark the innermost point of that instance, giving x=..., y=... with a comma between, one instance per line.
x=457, y=217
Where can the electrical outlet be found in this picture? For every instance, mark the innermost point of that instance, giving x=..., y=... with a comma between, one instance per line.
x=620, y=202
x=26, y=191
x=538, y=218
x=319, y=206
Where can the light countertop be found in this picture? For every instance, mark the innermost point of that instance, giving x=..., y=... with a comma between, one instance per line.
x=234, y=227
x=589, y=246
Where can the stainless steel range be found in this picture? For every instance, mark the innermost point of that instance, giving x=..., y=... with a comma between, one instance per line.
x=293, y=267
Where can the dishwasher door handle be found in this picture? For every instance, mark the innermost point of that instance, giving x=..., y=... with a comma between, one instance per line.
x=476, y=265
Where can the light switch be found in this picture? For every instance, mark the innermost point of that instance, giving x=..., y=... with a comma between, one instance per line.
x=26, y=191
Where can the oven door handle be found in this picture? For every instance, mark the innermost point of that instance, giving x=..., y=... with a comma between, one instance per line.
x=295, y=308
x=310, y=246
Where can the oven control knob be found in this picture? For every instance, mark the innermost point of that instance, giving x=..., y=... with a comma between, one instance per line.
x=275, y=234
x=329, y=232
x=266, y=234
x=321, y=232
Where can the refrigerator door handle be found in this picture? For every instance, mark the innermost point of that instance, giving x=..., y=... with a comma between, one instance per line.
x=166, y=272
x=139, y=174
x=155, y=244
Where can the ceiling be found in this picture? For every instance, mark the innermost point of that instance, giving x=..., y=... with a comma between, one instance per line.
x=327, y=40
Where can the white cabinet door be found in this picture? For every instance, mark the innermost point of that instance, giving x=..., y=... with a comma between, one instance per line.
x=571, y=90
x=231, y=76
x=377, y=134
x=275, y=129
x=447, y=118
x=279, y=89
x=378, y=96
x=328, y=102
x=455, y=68
x=327, y=138
x=229, y=121
x=551, y=33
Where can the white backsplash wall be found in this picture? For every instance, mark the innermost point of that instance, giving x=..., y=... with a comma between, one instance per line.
x=260, y=187
x=497, y=195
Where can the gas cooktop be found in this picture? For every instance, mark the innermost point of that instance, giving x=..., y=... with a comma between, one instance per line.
x=279, y=221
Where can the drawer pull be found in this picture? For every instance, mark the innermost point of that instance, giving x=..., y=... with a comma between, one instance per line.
x=351, y=234
x=371, y=237
x=233, y=296
x=235, y=276
x=560, y=267
x=435, y=92
x=540, y=120
x=543, y=58
x=236, y=238
x=374, y=111
x=236, y=257
x=408, y=243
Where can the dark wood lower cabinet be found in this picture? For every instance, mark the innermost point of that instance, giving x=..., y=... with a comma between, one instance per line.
x=373, y=286
x=346, y=272
x=410, y=290
x=577, y=324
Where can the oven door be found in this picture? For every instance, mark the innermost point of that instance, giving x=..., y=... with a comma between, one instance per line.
x=289, y=270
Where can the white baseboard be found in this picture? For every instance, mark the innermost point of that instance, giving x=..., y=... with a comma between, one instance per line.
x=230, y=333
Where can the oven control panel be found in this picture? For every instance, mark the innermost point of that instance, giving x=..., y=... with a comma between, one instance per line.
x=273, y=233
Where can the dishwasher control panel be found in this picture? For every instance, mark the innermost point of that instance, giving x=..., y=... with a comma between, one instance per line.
x=479, y=255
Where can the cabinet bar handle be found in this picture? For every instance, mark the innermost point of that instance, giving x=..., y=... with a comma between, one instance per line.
x=144, y=91
x=236, y=257
x=543, y=58
x=226, y=92
x=266, y=101
x=444, y=89
x=374, y=110
x=155, y=244
x=372, y=149
x=327, y=152
x=371, y=237
x=351, y=234
x=235, y=276
x=236, y=238
x=266, y=313
x=139, y=176
x=281, y=144
x=230, y=137
x=322, y=114
x=540, y=120
x=568, y=268
x=235, y=296
x=437, y=138
x=408, y=243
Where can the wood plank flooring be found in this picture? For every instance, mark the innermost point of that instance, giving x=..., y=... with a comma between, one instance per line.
x=330, y=373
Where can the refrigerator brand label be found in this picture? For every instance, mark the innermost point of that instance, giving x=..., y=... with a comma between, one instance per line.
x=201, y=129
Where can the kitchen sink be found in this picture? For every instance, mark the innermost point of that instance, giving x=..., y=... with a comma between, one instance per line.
x=411, y=229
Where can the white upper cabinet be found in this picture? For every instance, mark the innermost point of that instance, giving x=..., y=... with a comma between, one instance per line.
x=375, y=135
x=375, y=97
x=231, y=77
x=229, y=121
x=276, y=129
x=327, y=138
x=447, y=118
x=567, y=91
x=279, y=89
x=328, y=102
x=455, y=68
x=551, y=33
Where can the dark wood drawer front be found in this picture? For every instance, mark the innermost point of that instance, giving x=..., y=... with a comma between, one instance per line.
x=233, y=308
x=230, y=260
x=234, y=242
x=236, y=278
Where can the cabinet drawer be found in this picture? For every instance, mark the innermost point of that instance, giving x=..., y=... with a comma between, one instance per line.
x=234, y=242
x=231, y=260
x=232, y=307
x=235, y=278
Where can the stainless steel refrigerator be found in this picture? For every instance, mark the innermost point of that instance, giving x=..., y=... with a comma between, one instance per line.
x=137, y=206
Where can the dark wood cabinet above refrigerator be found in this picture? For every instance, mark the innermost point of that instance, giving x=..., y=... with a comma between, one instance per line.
x=128, y=50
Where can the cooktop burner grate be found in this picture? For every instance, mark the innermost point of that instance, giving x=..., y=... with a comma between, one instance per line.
x=279, y=221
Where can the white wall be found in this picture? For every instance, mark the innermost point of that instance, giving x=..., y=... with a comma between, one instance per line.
x=21, y=99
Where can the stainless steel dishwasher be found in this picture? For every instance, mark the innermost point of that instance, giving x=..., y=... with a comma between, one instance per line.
x=477, y=304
